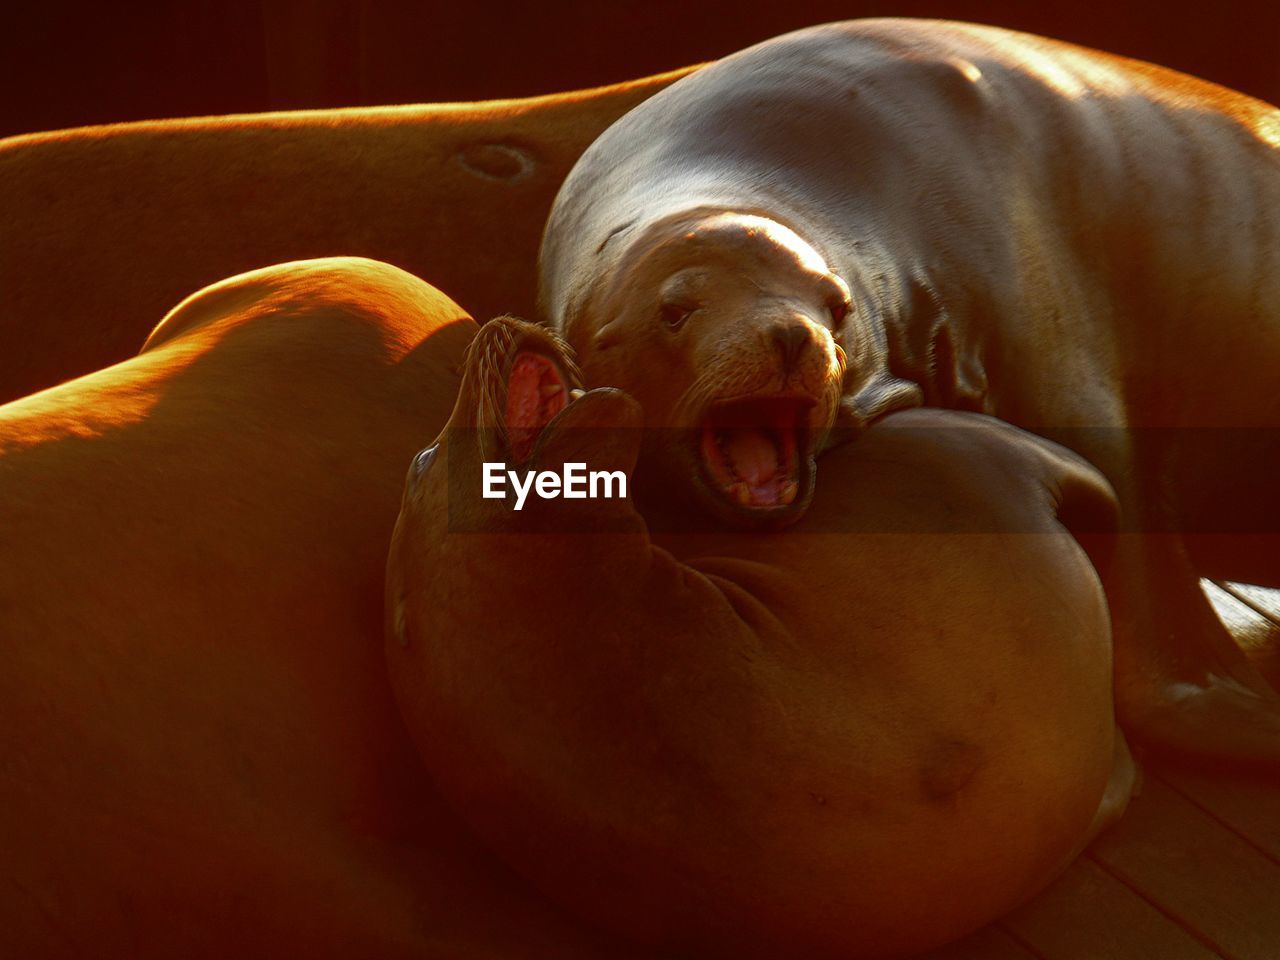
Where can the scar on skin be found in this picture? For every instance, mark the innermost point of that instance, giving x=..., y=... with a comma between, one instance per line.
x=497, y=161
x=613, y=233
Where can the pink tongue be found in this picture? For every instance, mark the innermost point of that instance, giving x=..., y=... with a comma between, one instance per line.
x=754, y=455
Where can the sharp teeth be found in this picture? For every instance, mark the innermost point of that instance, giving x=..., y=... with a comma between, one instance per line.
x=575, y=393
x=787, y=492
x=551, y=389
x=741, y=493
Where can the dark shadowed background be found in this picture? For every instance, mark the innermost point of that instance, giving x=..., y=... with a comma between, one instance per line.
x=65, y=65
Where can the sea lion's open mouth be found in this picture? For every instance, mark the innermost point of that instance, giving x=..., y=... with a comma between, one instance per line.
x=753, y=451
x=537, y=391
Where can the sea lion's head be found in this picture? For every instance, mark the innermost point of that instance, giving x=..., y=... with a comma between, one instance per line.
x=733, y=333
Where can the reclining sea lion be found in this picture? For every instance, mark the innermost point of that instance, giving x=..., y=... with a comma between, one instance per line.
x=965, y=217
x=105, y=228
x=864, y=736
x=200, y=755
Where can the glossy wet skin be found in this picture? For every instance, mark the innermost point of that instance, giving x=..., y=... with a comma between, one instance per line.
x=732, y=333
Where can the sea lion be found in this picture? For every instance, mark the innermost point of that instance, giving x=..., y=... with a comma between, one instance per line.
x=107, y=227
x=1083, y=245
x=863, y=736
x=199, y=749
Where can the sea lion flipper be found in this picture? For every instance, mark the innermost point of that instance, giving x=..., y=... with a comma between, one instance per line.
x=1220, y=723
x=859, y=410
x=1194, y=693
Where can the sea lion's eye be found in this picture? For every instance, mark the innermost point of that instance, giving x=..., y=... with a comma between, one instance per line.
x=675, y=314
x=839, y=309
x=422, y=462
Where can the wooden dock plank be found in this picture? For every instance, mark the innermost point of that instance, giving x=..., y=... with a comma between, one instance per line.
x=1192, y=872
x=1264, y=600
x=1218, y=886
x=1088, y=914
x=1252, y=614
x=1250, y=809
x=989, y=943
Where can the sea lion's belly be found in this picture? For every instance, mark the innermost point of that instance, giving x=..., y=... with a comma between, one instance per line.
x=931, y=699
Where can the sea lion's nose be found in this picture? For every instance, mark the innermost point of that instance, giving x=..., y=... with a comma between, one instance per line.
x=791, y=338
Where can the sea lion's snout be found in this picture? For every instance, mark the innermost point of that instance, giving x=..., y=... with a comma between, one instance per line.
x=548, y=419
x=521, y=416
x=517, y=376
x=791, y=339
